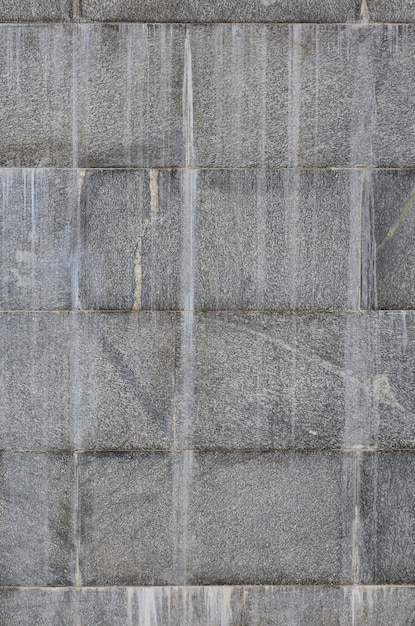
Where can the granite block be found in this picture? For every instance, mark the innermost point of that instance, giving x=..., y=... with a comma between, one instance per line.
x=126, y=510
x=36, y=529
x=129, y=95
x=383, y=606
x=384, y=11
x=169, y=606
x=276, y=240
x=37, y=607
x=219, y=11
x=387, y=511
x=297, y=606
x=126, y=381
x=35, y=10
x=131, y=223
x=266, y=381
x=268, y=518
x=389, y=234
x=36, y=102
x=37, y=239
x=36, y=385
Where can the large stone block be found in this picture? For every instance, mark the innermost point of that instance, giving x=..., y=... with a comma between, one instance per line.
x=276, y=240
x=36, y=519
x=37, y=607
x=266, y=381
x=35, y=10
x=384, y=11
x=387, y=553
x=131, y=240
x=126, y=381
x=126, y=509
x=268, y=518
x=220, y=11
x=297, y=606
x=37, y=239
x=389, y=231
x=36, y=101
x=383, y=606
x=36, y=393
x=129, y=95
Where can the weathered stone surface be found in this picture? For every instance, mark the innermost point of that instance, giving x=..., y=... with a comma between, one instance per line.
x=36, y=108
x=390, y=354
x=387, y=518
x=35, y=10
x=126, y=379
x=268, y=518
x=37, y=239
x=390, y=233
x=36, y=360
x=36, y=519
x=37, y=607
x=129, y=95
x=384, y=11
x=220, y=11
x=131, y=240
x=297, y=606
x=384, y=606
x=264, y=380
x=126, y=505
x=277, y=240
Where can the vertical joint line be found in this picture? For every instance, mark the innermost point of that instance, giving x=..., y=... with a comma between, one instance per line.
x=175, y=382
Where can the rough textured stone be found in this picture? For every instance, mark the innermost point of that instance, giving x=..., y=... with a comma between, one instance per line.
x=35, y=10
x=277, y=240
x=130, y=240
x=266, y=381
x=387, y=518
x=36, y=536
x=385, y=606
x=37, y=607
x=130, y=95
x=268, y=518
x=126, y=505
x=297, y=606
x=37, y=239
x=36, y=361
x=220, y=11
x=36, y=108
x=390, y=233
x=126, y=380
x=385, y=11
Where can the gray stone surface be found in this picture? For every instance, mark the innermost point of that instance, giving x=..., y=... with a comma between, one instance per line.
x=297, y=606
x=265, y=381
x=276, y=240
x=387, y=518
x=36, y=519
x=383, y=606
x=130, y=239
x=269, y=518
x=36, y=360
x=36, y=108
x=129, y=95
x=37, y=239
x=37, y=607
x=126, y=381
x=126, y=508
x=35, y=10
x=385, y=11
x=220, y=10
x=390, y=229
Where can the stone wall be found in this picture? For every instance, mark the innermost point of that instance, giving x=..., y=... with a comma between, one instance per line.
x=207, y=348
